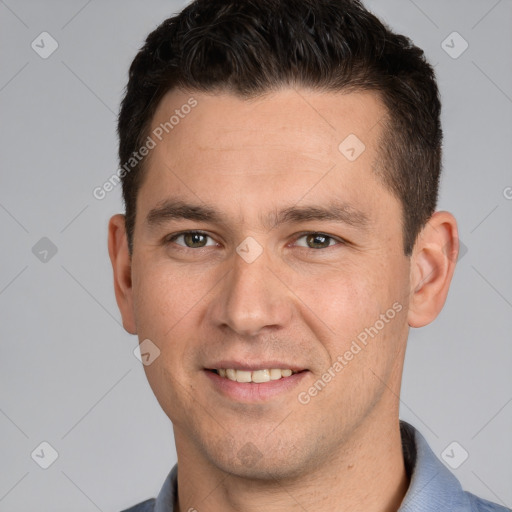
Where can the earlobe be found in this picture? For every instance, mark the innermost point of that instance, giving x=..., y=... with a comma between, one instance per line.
x=432, y=266
x=121, y=266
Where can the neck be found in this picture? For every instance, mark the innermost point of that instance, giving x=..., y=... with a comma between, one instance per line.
x=367, y=473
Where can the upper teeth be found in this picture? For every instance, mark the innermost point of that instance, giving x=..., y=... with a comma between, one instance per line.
x=255, y=376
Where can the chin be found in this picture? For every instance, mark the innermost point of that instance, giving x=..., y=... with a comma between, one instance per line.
x=262, y=464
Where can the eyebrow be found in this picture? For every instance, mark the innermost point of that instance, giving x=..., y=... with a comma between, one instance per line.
x=335, y=211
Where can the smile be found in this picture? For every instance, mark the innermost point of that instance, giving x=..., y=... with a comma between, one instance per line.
x=254, y=386
x=256, y=376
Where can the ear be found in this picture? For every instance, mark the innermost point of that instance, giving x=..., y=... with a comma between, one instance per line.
x=432, y=265
x=121, y=265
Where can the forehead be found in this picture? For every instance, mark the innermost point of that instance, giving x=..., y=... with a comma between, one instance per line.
x=288, y=119
x=275, y=148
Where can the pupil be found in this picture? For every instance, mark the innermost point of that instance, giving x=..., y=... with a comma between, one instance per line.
x=324, y=241
x=193, y=239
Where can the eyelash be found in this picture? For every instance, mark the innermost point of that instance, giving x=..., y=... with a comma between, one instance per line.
x=171, y=238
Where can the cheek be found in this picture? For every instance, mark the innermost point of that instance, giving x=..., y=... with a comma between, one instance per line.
x=164, y=310
x=354, y=303
x=162, y=299
x=169, y=305
x=344, y=297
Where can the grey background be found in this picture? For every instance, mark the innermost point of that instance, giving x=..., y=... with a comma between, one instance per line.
x=68, y=374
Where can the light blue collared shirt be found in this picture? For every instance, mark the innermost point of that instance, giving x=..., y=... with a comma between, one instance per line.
x=432, y=488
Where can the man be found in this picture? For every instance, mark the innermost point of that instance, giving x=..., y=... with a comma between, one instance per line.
x=280, y=163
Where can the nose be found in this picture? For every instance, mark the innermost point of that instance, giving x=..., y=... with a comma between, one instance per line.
x=251, y=298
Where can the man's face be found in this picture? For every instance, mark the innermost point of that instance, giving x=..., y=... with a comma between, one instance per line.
x=264, y=285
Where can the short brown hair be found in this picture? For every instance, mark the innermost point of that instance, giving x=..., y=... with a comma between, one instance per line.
x=251, y=47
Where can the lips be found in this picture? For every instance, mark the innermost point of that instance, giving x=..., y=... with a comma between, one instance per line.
x=254, y=366
x=256, y=376
x=256, y=372
x=253, y=391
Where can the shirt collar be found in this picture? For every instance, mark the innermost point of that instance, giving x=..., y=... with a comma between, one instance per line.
x=167, y=496
x=432, y=486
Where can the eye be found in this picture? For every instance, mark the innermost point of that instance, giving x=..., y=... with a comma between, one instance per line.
x=191, y=239
x=317, y=241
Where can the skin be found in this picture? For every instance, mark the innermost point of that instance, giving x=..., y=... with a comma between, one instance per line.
x=295, y=302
